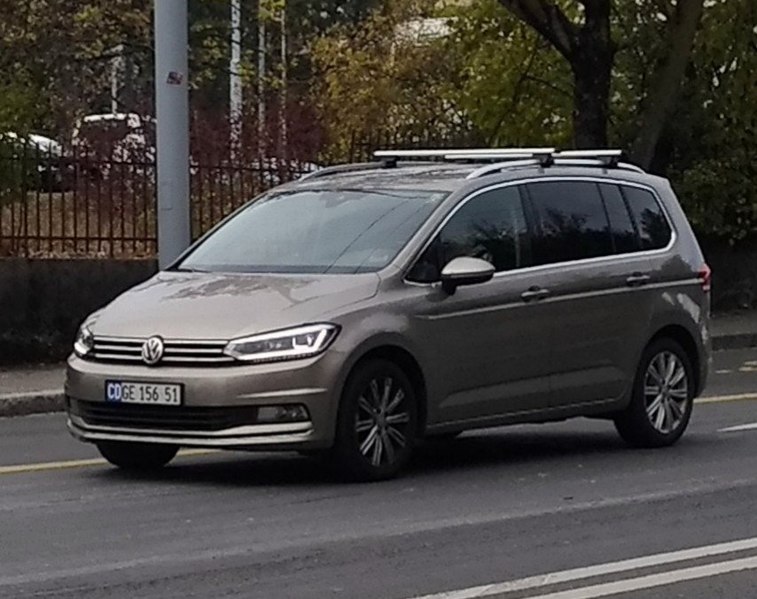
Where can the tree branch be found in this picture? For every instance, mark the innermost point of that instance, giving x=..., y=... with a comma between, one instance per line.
x=666, y=80
x=548, y=20
x=553, y=86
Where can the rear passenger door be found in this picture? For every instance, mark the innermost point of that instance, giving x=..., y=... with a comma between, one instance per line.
x=584, y=234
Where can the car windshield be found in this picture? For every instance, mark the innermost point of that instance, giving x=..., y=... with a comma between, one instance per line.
x=316, y=231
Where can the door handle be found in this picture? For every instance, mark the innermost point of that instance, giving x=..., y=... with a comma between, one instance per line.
x=533, y=294
x=637, y=279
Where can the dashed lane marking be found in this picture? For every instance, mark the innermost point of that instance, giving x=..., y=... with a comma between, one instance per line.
x=727, y=398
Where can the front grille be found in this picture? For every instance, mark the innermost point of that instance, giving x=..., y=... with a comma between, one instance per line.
x=176, y=352
x=178, y=418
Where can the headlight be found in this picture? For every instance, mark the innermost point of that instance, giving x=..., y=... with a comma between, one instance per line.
x=289, y=344
x=85, y=341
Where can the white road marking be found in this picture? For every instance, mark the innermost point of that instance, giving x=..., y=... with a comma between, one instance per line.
x=739, y=428
x=747, y=369
x=659, y=559
x=653, y=580
x=724, y=371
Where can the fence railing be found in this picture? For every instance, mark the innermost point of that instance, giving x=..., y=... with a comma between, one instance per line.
x=56, y=204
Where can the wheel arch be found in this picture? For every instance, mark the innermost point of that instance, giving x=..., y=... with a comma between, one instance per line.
x=400, y=355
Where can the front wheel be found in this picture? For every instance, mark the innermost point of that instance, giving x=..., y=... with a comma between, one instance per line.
x=137, y=456
x=662, y=397
x=377, y=422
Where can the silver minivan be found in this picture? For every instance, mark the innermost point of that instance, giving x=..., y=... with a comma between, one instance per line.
x=365, y=307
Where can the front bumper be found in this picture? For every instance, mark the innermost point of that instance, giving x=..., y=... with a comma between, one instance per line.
x=308, y=383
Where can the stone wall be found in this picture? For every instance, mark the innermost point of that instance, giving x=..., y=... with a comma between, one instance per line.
x=42, y=302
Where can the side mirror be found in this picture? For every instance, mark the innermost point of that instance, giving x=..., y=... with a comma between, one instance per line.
x=465, y=271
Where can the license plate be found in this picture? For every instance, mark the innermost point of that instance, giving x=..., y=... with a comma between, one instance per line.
x=155, y=394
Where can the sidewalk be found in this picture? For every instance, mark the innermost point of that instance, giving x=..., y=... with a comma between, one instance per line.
x=734, y=331
x=31, y=390
x=39, y=389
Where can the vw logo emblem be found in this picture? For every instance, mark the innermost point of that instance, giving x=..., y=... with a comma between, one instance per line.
x=152, y=350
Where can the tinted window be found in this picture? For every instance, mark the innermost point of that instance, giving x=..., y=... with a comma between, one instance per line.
x=316, y=231
x=654, y=230
x=491, y=226
x=571, y=223
x=623, y=231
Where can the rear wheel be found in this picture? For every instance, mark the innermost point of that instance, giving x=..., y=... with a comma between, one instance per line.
x=662, y=399
x=377, y=422
x=137, y=456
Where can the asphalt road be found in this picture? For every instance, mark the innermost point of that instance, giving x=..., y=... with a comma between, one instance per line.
x=489, y=514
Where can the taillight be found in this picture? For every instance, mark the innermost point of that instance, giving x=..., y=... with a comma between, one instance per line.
x=705, y=277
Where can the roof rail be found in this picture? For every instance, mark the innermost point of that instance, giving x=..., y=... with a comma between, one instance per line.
x=342, y=168
x=499, y=159
x=496, y=167
x=625, y=166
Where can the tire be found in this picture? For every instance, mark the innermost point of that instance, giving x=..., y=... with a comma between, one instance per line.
x=137, y=456
x=377, y=423
x=444, y=437
x=665, y=379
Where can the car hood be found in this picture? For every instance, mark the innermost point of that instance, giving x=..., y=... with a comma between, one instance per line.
x=178, y=305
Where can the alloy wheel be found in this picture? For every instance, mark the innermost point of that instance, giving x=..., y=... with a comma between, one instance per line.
x=381, y=421
x=666, y=391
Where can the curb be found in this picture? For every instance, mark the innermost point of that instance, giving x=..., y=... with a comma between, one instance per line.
x=36, y=402
x=737, y=341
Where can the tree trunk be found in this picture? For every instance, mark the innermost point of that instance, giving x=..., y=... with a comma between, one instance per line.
x=591, y=98
x=590, y=51
x=666, y=80
x=591, y=63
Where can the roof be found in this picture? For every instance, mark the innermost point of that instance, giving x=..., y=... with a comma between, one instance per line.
x=438, y=176
x=110, y=116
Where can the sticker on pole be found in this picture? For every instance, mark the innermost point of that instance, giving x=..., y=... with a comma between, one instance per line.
x=174, y=78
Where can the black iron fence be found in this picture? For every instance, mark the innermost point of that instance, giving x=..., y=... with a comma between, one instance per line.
x=69, y=202
x=81, y=204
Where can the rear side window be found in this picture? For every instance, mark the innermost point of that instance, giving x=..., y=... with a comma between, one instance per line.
x=654, y=230
x=570, y=222
x=624, y=236
x=491, y=226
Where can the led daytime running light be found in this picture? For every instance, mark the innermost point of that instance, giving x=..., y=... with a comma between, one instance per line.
x=288, y=344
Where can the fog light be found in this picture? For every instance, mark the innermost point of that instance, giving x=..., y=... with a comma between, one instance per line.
x=285, y=413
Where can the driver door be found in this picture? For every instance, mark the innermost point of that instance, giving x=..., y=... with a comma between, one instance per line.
x=489, y=344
